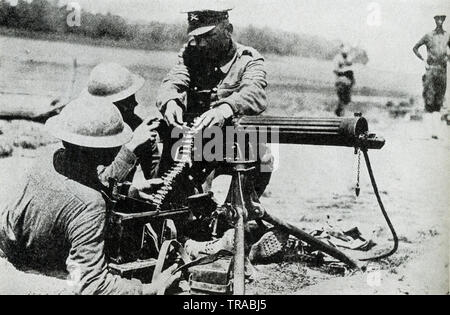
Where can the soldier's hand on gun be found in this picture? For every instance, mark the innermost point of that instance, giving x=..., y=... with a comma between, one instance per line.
x=173, y=114
x=147, y=184
x=142, y=188
x=144, y=133
x=163, y=282
x=215, y=117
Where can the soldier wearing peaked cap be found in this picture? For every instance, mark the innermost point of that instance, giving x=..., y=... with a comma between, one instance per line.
x=434, y=80
x=215, y=79
x=215, y=75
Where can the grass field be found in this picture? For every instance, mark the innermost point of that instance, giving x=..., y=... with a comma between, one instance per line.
x=312, y=186
x=45, y=68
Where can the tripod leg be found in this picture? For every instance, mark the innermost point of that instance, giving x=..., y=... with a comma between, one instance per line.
x=239, y=239
x=303, y=236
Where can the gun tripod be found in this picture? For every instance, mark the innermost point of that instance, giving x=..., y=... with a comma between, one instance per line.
x=246, y=206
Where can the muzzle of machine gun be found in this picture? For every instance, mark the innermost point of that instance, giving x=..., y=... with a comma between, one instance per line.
x=343, y=132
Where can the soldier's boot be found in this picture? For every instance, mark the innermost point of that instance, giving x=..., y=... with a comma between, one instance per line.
x=428, y=121
x=436, y=125
x=194, y=249
x=269, y=247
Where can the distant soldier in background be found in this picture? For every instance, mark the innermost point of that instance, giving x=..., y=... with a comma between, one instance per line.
x=435, y=78
x=345, y=78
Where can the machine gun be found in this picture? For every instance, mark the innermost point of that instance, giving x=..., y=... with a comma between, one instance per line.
x=342, y=132
x=142, y=229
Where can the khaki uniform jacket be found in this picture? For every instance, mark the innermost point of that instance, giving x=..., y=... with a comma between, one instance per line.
x=56, y=221
x=240, y=83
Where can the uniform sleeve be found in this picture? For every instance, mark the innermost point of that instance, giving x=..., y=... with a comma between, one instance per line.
x=122, y=165
x=86, y=263
x=250, y=97
x=149, y=157
x=174, y=85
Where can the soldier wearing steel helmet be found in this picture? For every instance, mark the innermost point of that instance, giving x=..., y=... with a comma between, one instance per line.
x=114, y=82
x=434, y=80
x=55, y=220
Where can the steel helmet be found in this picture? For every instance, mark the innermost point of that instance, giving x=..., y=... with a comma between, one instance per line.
x=90, y=122
x=113, y=81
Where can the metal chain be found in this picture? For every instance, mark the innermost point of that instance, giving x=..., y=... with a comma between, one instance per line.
x=358, y=174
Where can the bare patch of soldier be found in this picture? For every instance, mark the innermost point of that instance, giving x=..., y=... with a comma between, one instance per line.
x=434, y=80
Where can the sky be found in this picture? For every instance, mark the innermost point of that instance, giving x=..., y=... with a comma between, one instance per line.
x=387, y=29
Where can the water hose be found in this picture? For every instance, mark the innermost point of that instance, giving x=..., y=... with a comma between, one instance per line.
x=383, y=210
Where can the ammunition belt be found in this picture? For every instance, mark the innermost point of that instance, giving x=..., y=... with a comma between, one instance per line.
x=183, y=161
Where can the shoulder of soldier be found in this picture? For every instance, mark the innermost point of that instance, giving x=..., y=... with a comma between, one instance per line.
x=61, y=188
x=425, y=39
x=428, y=35
x=243, y=50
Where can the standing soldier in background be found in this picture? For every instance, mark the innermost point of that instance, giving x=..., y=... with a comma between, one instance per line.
x=217, y=79
x=345, y=78
x=435, y=78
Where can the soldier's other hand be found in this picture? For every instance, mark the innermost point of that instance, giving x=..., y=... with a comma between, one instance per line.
x=215, y=117
x=144, y=133
x=174, y=114
x=145, y=184
x=141, y=186
x=163, y=282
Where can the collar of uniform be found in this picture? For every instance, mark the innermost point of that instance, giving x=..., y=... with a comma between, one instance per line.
x=232, y=54
x=75, y=168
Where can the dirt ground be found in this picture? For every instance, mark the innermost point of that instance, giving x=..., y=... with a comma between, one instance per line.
x=413, y=179
x=313, y=187
x=412, y=176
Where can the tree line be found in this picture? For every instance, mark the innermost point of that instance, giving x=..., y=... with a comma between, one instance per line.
x=33, y=17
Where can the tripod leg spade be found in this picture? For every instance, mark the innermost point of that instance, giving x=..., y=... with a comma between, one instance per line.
x=314, y=242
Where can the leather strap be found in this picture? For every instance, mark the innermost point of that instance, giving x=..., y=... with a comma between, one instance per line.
x=204, y=260
x=163, y=252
